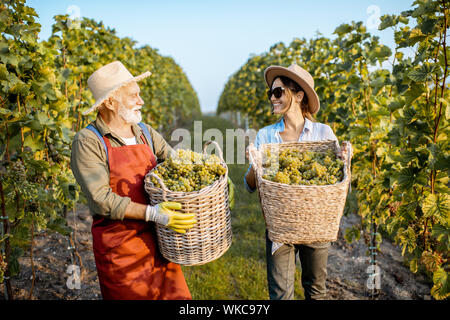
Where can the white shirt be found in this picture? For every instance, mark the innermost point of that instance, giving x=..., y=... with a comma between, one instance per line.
x=312, y=131
x=129, y=141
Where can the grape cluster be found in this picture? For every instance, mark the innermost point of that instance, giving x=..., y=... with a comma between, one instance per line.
x=302, y=168
x=187, y=171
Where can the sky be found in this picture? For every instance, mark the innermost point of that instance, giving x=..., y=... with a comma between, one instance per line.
x=211, y=40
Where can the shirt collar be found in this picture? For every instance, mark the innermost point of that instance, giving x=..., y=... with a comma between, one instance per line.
x=104, y=129
x=307, y=127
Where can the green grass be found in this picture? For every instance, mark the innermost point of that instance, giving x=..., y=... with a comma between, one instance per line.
x=241, y=272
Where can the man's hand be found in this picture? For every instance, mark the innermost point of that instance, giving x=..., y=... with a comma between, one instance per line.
x=231, y=193
x=165, y=214
x=344, y=150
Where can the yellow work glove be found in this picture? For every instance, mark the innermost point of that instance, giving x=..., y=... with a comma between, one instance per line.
x=231, y=193
x=165, y=214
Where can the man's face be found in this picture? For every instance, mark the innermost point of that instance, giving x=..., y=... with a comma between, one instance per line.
x=131, y=104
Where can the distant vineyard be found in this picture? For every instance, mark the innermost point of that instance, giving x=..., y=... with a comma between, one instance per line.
x=43, y=92
x=397, y=120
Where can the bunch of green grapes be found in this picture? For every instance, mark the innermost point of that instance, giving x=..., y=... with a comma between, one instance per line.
x=303, y=168
x=187, y=171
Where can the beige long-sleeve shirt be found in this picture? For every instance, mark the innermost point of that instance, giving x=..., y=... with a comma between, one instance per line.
x=89, y=165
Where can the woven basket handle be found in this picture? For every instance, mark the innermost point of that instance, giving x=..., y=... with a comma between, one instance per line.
x=251, y=148
x=349, y=161
x=207, y=143
x=251, y=155
x=161, y=183
x=349, y=153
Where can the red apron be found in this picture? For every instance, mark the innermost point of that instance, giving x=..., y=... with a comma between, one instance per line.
x=129, y=264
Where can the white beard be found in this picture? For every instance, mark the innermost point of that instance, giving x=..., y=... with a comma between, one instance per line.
x=130, y=116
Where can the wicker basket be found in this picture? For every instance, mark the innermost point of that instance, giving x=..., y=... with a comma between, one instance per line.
x=211, y=236
x=301, y=214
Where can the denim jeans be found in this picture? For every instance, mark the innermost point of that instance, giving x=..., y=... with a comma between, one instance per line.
x=281, y=270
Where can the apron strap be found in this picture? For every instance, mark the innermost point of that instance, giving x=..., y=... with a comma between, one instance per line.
x=141, y=125
x=146, y=134
x=148, y=137
x=97, y=133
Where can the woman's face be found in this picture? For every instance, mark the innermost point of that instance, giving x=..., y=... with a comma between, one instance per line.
x=281, y=104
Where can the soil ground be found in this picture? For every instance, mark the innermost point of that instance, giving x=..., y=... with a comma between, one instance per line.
x=347, y=268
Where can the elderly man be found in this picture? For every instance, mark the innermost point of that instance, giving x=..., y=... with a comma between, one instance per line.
x=110, y=159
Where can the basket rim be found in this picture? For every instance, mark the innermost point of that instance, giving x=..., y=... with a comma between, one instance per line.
x=305, y=185
x=202, y=191
x=327, y=141
x=301, y=186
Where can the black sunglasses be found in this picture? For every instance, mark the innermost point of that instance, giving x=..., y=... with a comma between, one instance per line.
x=278, y=92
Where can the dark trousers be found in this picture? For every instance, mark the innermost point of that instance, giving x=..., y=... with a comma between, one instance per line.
x=281, y=270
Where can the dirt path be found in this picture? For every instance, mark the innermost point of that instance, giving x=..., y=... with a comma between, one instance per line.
x=347, y=271
x=347, y=265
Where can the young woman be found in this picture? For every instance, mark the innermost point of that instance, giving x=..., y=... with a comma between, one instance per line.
x=291, y=93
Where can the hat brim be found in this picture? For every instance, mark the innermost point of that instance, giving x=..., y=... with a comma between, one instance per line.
x=99, y=102
x=274, y=71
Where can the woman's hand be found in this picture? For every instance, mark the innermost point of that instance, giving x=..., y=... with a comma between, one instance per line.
x=252, y=170
x=250, y=177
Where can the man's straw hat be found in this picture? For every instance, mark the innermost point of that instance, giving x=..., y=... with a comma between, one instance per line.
x=299, y=75
x=107, y=80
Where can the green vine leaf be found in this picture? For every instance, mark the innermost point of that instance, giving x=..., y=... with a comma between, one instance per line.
x=441, y=288
x=437, y=206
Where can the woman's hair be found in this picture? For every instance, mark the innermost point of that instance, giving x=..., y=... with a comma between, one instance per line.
x=295, y=88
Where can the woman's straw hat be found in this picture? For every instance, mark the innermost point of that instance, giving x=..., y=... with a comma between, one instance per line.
x=299, y=75
x=107, y=80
